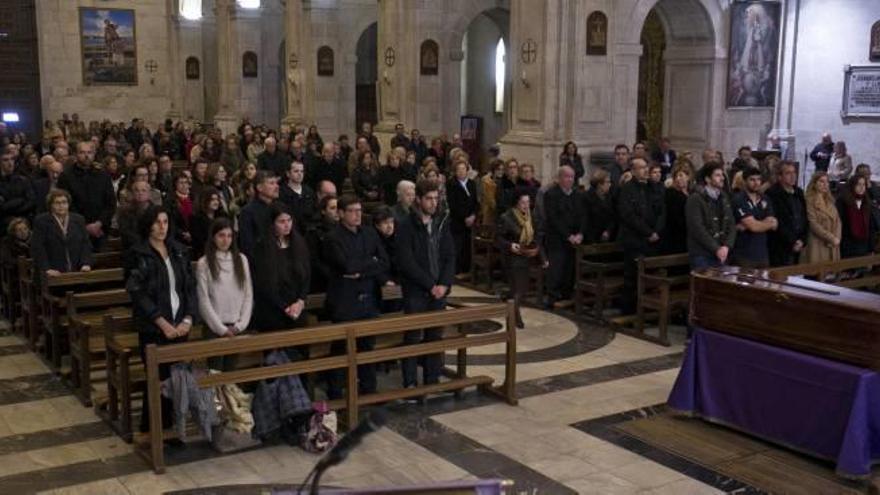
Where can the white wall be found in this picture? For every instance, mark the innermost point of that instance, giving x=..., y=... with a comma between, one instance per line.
x=479, y=91
x=61, y=80
x=832, y=33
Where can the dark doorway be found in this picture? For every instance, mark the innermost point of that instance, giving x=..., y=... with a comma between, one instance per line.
x=19, y=58
x=649, y=125
x=366, y=74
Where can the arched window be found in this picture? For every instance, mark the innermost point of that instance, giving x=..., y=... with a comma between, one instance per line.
x=249, y=4
x=500, y=74
x=191, y=9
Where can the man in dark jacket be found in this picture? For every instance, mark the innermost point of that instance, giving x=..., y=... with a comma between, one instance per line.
x=272, y=159
x=461, y=196
x=821, y=154
x=327, y=167
x=92, y=192
x=711, y=228
x=400, y=139
x=367, y=133
x=562, y=212
x=16, y=194
x=255, y=218
x=665, y=156
x=299, y=197
x=358, y=268
x=640, y=224
x=787, y=242
x=426, y=263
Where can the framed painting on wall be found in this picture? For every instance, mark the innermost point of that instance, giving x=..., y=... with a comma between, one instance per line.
x=249, y=65
x=325, y=61
x=429, y=58
x=108, y=44
x=192, y=68
x=752, y=60
x=874, y=54
x=597, y=34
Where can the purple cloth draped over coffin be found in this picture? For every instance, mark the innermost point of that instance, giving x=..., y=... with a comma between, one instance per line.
x=821, y=407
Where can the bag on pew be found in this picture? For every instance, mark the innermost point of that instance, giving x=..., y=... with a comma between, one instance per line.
x=182, y=387
x=321, y=435
x=281, y=406
x=237, y=421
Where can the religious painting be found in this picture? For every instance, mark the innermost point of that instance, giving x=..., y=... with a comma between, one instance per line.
x=430, y=58
x=249, y=64
x=109, y=47
x=875, y=43
x=861, y=92
x=754, y=44
x=192, y=68
x=325, y=61
x=597, y=34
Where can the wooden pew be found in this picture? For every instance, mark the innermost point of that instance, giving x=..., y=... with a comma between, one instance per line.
x=54, y=304
x=86, y=312
x=9, y=288
x=348, y=332
x=29, y=302
x=598, y=276
x=862, y=273
x=484, y=254
x=664, y=284
x=125, y=375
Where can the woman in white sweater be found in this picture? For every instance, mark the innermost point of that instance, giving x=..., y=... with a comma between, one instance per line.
x=224, y=283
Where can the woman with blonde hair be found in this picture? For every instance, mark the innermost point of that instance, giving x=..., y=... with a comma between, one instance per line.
x=823, y=241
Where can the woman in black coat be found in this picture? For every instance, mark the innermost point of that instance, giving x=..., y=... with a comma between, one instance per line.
x=572, y=158
x=163, y=294
x=281, y=272
x=518, y=240
x=674, y=236
x=858, y=228
x=60, y=242
x=210, y=207
x=598, y=212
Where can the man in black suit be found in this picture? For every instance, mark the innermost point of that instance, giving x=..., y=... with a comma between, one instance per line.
x=91, y=191
x=327, y=167
x=461, y=195
x=425, y=259
x=562, y=213
x=665, y=156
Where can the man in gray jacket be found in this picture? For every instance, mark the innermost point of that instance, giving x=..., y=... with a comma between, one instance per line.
x=711, y=228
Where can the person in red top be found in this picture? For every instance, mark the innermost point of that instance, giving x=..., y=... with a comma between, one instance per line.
x=179, y=205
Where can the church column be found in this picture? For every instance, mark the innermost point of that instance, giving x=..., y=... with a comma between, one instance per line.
x=540, y=67
x=396, y=68
x=228, y=60
x=785, y=78
x=298, y=79
x=175, y=81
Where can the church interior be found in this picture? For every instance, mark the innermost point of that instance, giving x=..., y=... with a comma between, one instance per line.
x=632, y=245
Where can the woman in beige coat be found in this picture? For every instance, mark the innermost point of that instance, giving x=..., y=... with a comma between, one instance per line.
x=823, y=243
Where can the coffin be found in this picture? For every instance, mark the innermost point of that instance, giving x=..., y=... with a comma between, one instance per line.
x=795, y=313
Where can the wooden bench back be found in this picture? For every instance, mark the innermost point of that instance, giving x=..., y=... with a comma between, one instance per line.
x=348, y=332
x=98, y=299
x=109, y=259
x=100, y=276
x=825, y=268
x=650, y=263
x=598, y=249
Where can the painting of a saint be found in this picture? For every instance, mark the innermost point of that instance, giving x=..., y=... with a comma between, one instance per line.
x=754, y=41
x=109, y=50
x=429, y=58
x=875, y=43
x=597, y=34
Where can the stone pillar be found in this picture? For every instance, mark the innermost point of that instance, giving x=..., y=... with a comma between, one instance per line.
x=175, y=81
x=539, y=59
x=228, y=61
x=299, y=78
x=397, y=71
x=785, y=78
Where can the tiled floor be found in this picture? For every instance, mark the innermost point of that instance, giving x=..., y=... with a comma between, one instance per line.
x=570, y=372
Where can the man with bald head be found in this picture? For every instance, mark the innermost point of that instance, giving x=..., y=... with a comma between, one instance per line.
x=821, y=154
x=562, y=210
x=91, y=191
x=46, y=180
x=272, y=159
x=327, y=167
x=641, y=218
